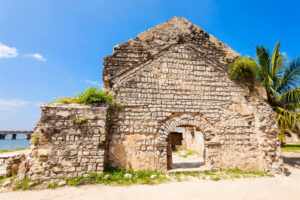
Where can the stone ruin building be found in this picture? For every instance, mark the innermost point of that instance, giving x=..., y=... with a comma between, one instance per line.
x=175, y=76
x=172, y=84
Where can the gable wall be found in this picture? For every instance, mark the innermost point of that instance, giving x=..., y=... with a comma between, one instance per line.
x=183, y=80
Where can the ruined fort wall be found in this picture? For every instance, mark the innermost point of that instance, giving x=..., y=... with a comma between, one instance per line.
x=188, y=80
x=68, y=141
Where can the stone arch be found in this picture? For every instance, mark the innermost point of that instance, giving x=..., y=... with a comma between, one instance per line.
x=196, y=120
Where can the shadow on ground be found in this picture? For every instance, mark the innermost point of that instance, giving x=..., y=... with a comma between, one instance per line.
x=187, y=165
x=291, y=159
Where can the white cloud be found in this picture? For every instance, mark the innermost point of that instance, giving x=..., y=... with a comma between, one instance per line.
x=37, y=56
x=11, y=52
x=7, y=51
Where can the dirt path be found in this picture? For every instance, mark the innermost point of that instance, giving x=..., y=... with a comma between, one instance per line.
x=277, y=188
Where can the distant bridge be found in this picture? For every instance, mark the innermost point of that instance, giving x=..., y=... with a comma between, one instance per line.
x=12, y=134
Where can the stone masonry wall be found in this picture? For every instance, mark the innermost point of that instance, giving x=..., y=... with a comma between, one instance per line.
x=9, y=163
x=183, y=81
x=68, y=141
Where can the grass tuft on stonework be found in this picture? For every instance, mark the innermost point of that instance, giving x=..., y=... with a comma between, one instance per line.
x=91, y=96
x=291, y=148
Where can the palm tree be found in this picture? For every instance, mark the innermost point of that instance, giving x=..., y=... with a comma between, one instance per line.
x=280, y=79
x=282, y=84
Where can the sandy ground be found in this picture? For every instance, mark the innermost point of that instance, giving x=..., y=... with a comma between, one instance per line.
x=267, y=188
x=276, y=188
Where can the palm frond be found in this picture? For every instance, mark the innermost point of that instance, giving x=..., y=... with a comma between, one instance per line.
x=264, y=66
x=291, y=96
x=286, y=119
x=290, y=77
x=282, y=84
x=293, y=106
x=276, y=60
x=263, y=59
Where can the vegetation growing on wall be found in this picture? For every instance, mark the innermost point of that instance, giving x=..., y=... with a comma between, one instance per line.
x=280, y=80
x=35, y=138
x=91, y=96
x=243, y=69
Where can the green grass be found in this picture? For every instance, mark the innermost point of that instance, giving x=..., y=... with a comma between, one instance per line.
x=91, y=96
x=185, y=153
x=123, y=177
x=11, y=150
x=22, y=184
x=52, y=186
x=2, y=179
x=291, y=148
x=217, y=175
x=129, y=177
x=119, y=177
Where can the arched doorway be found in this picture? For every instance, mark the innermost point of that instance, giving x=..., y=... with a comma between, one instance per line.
x=185, y=148
x=184, y=137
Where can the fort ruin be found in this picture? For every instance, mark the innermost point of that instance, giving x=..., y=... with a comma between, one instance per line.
x=173, y=86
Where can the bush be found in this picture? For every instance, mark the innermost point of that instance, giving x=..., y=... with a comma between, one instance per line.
x=243, y=69
x=91, y=96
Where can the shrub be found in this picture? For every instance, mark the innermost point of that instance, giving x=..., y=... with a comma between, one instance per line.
x=91, y=96
x=67, y=100
x=243, y=69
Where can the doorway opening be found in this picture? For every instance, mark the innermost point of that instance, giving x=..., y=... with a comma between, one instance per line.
x=185, y=148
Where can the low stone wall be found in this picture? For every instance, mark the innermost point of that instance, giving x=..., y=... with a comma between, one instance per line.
x=68, y=141
x=9, y=163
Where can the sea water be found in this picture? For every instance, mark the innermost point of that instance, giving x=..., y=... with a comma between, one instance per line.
x=19, y=142
x=14, y=144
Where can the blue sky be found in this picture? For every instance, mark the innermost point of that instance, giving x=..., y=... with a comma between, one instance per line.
x=54, y=48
